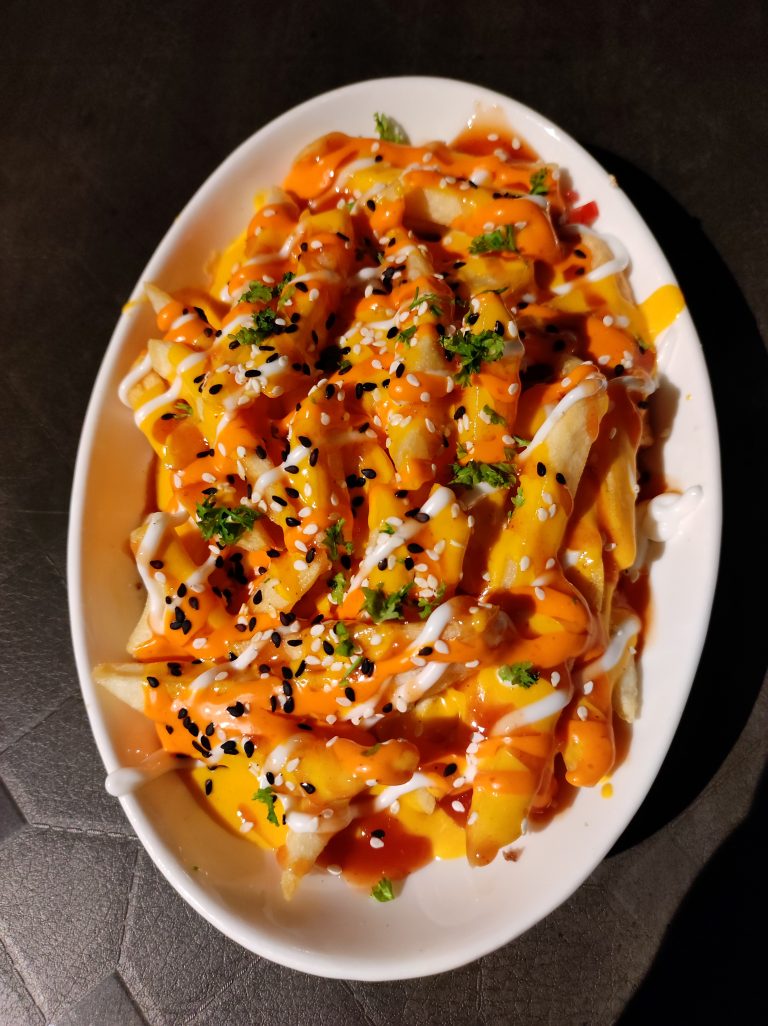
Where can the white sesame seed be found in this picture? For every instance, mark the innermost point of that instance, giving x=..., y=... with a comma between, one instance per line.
x=588, y=687
x=541, y=514
x=457, y=806
x=376, y=842
x=582, y=713
x=299, y=564
x=555, y=678
x=525, y=562
x=549, y=564
x=540, y=594
x=512, y=390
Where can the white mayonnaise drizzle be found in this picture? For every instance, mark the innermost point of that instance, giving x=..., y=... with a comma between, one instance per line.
x=157, y=526
x=391, y=794
x=627, y=629
x=532, y=713
x=616, y=265
x=665, y=513
x=133, y=377
x=437, y=502
x=173, y=391
x=591, y=385
x=128, y=779
x=268, y=477
x=437, y=622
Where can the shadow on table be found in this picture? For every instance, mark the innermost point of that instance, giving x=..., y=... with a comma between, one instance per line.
x=710, y=966
x=734, y=657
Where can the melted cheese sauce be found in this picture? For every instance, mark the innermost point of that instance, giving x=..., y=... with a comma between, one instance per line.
x=384, y=597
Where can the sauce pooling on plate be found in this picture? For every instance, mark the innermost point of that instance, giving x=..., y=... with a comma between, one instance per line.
x=395, y=493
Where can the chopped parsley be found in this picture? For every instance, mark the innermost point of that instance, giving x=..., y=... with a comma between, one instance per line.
x=407, y=334
x=334, y=539
x=257, y=292
x=337, y=586
x=430, y=298
x=386, y=528
x=498, y=241
x=224, y=522
x=498, y=475
x=181, y=410
x=346, y=645
x=353, y=667
x=473, y=351
x=381, y=607
x=427, y=606
x=383, y=891
x=492, y=415
x=390, y=130
x=539, y=183
x=268, y=796
x=373, y=749
x=520, y=674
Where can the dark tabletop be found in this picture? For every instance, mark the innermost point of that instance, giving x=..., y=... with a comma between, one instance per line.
x=112, y=114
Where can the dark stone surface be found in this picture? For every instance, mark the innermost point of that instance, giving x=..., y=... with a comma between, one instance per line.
x=113, y=114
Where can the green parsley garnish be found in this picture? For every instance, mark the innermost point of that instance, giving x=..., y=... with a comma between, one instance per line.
x=518, y=498
x=337, y=587
x=353, y=667
x=523, y=442
x=520, y=674
x=382, y=891
x=539, y=182
x=386, y=528
x=407, y=334
x=499, y=240
x=257, y=292
x=268, y=796
x=334, y=539
x=498, y=475
x=182, y=409
x=346, y=645
x=224, y=522
x=373, y=749
x=492, y=415
x=381, y=606
x=390, y=130
x=430, y=298
x=427, y=606
x=473, y=351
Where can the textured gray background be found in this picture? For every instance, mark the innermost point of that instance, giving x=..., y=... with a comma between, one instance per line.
x=113, y=114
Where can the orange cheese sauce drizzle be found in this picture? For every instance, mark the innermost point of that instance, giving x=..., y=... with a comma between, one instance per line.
x=332, y=592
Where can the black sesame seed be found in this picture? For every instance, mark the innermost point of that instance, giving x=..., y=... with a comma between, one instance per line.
x=367, y=667
x=387, y=708
x=205, y=743
x=560, y=478
x=181, y=713
x=292, y=521
x=350, y=693
x=199, y=748
x=541, y=470
x=236, y=710
x=275, y=638
x=378, y=833
x=287, y=672
x=286, y=619
x=408, y=563
x=215, y=389
x=294, y=642
x=169, y=728
x=229, y=747
x=153, y=682
x=273, y=702
x=427, y=650
x=248, y=748
x=273, y=553
x=450, y=769
x=290, y=705
x=309, y=788
x=208, y=786
x=156, y=564
x=327, y=647
x=400, y=370
x=460, y=411
x=174, y=669
x=392, y=332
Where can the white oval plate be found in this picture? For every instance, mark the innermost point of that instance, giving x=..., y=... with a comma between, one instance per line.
x=447, y=914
